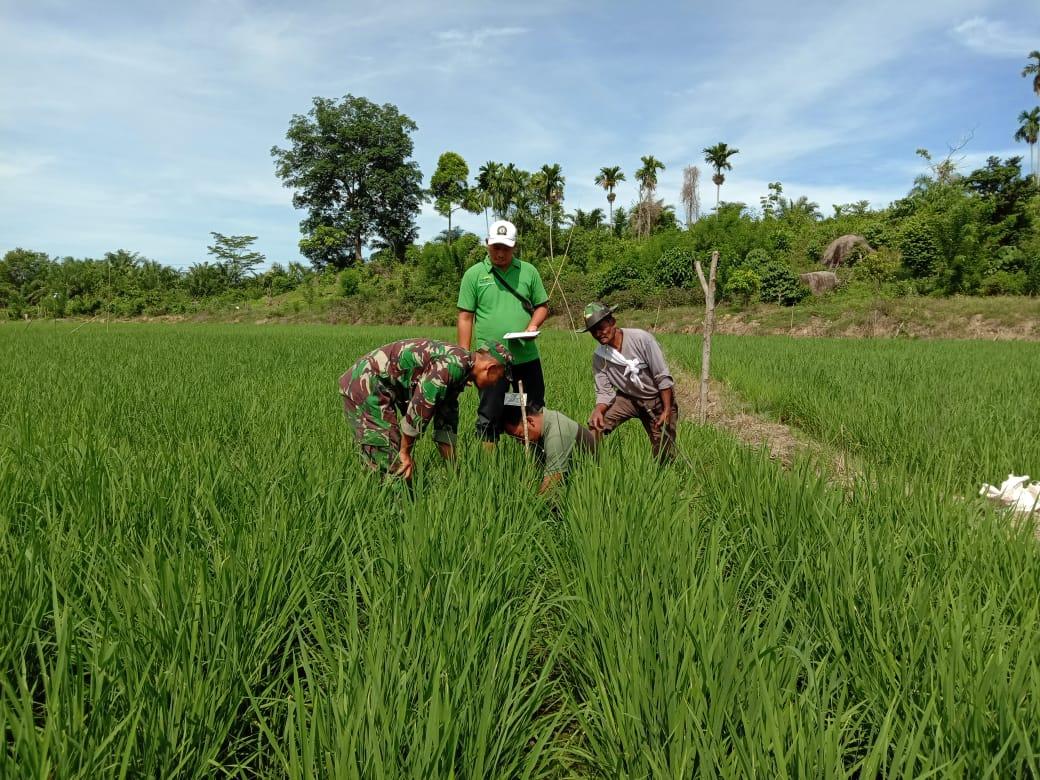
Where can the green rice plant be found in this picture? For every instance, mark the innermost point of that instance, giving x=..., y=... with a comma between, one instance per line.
x=200, y=579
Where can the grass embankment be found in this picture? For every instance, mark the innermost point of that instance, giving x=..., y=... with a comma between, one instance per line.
x=199, y=581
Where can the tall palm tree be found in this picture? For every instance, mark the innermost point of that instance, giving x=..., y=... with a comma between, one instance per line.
x=1029, y=131
x=1033, y=69
x=717, y=157
x=488, y=177
x=550, y=189
x=608, y=179
x=647, y=175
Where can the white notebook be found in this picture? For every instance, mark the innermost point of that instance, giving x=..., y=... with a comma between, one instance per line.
x=522, y=334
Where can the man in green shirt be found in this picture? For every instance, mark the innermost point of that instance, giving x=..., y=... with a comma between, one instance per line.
x=557, y=437
x=500, y=295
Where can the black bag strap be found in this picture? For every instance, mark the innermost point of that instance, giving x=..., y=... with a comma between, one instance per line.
x=528, y=306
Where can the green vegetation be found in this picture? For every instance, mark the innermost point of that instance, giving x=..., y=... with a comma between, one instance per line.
x=198, y=582
x=349, y=165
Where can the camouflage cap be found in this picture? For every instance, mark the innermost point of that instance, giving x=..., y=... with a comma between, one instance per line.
x=498, y=351
x=593, y=313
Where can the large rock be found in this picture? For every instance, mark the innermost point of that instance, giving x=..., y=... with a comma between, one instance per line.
x=837, y=252
x=820, y=282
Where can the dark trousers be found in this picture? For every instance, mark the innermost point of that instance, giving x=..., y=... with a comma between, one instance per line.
x=492, y=399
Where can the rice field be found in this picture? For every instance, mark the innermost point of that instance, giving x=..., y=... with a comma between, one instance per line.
x=200, y=581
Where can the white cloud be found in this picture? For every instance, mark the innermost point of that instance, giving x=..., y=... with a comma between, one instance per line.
x=477, y=38
x=995, y=38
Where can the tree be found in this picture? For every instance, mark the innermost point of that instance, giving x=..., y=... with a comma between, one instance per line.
x=449, y=185
x=1033, y=69
x=488, y=179
x=717, y=157
x=647, y=176
x=646, y=213
x=1029, y=131
x=588, y=220
x=608, y=179
x=550, y=183
x=349, y=165
x=235, y=255
x=691, y=197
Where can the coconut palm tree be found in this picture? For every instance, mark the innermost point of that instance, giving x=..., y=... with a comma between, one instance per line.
x=488, y=176
x=1033, y=69
x=1029, y=131
x=550, y=189
x=717, y=157
x=647, y=175
x=608, y=179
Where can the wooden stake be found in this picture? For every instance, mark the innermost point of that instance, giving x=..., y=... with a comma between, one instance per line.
x=709, y=325
x=523, y=413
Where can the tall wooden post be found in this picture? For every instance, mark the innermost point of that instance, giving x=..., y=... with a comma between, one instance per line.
x=708, y=285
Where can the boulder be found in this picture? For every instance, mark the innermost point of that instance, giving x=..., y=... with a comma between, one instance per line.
x=820, y=282
x=837, y=252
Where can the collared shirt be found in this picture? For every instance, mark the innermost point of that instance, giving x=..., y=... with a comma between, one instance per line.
x=497, y=310
x=559, y=433
x=653, y=371
x=421, y=377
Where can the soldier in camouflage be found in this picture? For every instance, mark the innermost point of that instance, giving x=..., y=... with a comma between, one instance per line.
x=393, y=392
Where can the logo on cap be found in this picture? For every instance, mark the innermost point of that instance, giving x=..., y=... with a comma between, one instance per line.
x=502, y=230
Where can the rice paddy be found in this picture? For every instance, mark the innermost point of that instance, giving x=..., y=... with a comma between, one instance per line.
x=201, y=581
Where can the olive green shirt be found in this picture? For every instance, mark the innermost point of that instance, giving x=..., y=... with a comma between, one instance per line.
x=497, y=311
x=559, y=433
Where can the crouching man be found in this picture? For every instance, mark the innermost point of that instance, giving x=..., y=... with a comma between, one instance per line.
x=557, y=437
x=392, y=393
x=632, y=381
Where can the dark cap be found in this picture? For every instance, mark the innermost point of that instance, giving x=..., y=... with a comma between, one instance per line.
x=593, y=313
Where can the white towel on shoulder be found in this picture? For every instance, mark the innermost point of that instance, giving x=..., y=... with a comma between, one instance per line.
x=632, y=366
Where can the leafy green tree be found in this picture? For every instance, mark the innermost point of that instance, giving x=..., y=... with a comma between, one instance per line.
x=1029, y=131
x=779, y=284
x=743, y=284
x=1033, y=69
x=608, y=178
x=449, y=185
x=236, y=255
x=717, y=157
x=349, y=165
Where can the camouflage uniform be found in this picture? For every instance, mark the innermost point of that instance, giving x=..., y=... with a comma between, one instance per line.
x=399, y=388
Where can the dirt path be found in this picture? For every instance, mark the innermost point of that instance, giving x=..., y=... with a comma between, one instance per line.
x=728, y=412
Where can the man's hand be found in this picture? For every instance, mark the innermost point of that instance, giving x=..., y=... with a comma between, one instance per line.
x=661, y=421
x=597, y=422
x=405, y=466
x=447, y=451
x=666, y=409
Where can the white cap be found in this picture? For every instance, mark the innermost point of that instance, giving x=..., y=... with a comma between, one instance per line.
x=502, y=232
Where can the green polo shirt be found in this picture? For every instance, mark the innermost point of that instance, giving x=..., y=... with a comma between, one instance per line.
x=497, y=310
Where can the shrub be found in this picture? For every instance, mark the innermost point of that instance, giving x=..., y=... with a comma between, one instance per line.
x=779, y=284
x=1004, y=283
x=674, y=268
x=920, y=250
x=743, y=284
x=879, y=267
x=349, y=282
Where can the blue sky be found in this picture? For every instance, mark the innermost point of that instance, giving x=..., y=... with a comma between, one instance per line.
x=146, y=125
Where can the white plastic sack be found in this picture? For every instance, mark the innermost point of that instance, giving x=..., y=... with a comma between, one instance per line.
x=1015, y=493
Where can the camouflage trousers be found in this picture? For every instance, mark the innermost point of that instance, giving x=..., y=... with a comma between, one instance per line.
x=373, y=418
